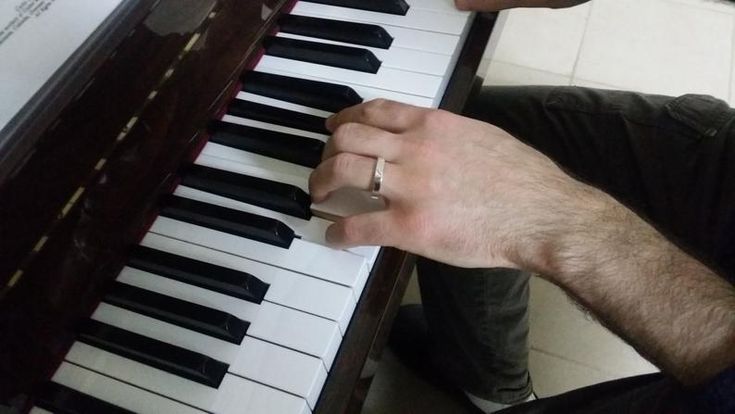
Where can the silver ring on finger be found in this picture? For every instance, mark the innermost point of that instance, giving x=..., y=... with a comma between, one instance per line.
x=378, y=175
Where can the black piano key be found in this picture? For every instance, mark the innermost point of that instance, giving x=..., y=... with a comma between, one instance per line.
x=278, y=145
x=340, y=31
x=314, y=94
x=278, y=116
x=346, y=57
x=185, y=314
x=284, y=198
x=170, y=358
x=399, y=7
x=238, y=223
x=205, y=275
x=59, y=399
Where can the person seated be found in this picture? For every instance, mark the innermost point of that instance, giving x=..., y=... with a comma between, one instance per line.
x=626, y=201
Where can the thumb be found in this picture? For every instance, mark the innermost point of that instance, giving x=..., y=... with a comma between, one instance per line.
x=369, y=229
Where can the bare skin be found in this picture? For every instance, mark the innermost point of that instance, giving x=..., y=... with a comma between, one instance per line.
x=495, y=5
x=467, y=193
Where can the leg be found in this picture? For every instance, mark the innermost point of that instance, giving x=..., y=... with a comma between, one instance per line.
x=663, y=157
x=668, y=159
x=478, y=323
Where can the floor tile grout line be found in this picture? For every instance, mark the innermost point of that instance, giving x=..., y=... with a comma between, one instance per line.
x=581, y=43
x=544, y=71
x=612, y=87
x=582, y=364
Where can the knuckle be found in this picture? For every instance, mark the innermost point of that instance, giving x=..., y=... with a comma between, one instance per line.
x=340, y=135
x=374, y=108
x=426, y=150
x=342, y=163
x=435, y=120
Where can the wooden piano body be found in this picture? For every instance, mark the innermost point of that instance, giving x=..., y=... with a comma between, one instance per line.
x=82, y=168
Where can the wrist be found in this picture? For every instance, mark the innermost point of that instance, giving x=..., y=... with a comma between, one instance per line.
x=584, y=230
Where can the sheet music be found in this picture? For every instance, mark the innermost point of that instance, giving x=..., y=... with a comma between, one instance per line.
x=36, y=38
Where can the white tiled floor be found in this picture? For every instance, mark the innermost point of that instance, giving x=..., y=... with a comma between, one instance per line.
x=668, y=47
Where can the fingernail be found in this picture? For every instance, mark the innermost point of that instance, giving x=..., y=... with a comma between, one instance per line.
x=329, y=122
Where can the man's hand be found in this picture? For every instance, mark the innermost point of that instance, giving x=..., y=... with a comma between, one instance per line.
x=467, y=193
x=458, y=190
x=495, y=5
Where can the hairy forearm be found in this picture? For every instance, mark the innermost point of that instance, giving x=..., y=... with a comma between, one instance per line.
x=669, y=306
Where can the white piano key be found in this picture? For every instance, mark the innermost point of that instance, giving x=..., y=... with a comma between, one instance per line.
x=117, y=393
x=251, y=97
x=366, y=92
x=415, y=18
x=288, y=370
x=212, y=149
x=270, y=322
x=235, y=394
x=312, y=230
x=397, y=58
x=442, y=43
x=274, y=127
x=328, y=300
x=253, y=166
x=37, y=410
x=337, y=266
x=386, y=78
x=254, y=359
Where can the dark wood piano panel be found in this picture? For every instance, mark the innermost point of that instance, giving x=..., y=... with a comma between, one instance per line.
x=87, y=246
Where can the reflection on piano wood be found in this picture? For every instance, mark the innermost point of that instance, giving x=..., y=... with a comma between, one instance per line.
x=159, y=249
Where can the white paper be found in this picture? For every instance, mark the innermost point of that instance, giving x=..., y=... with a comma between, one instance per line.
x=36, y=38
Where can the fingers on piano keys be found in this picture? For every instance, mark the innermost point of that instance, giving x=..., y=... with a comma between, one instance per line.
x=233, y=301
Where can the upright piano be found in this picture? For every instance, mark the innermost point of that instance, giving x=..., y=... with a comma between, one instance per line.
x=159, y=252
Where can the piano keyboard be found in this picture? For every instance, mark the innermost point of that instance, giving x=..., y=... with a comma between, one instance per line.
x=233, y=302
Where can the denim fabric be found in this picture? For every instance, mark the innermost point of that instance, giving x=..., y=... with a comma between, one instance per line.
x=672, y=160
x=478, y=321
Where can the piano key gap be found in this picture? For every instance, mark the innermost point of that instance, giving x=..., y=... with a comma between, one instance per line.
x=268, y=385
x=305, y=311
x=133, y=385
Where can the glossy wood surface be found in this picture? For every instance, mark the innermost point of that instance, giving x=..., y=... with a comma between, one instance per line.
x=85, y=248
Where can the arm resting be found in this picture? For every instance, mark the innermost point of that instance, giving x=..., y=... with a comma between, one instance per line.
x=668, y=305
